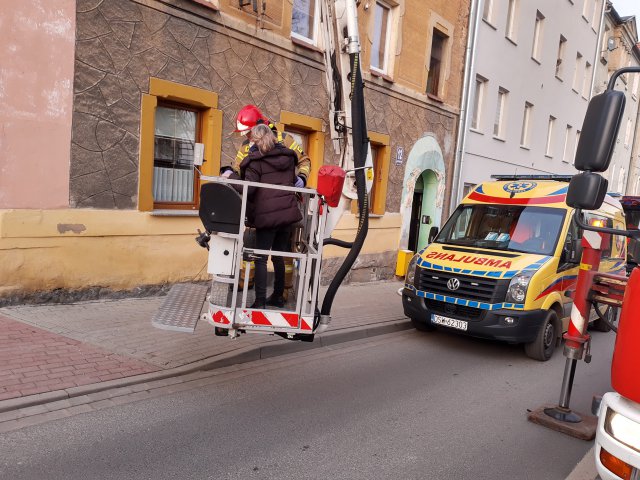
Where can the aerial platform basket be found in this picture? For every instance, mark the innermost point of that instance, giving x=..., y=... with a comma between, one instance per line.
x=230, y=263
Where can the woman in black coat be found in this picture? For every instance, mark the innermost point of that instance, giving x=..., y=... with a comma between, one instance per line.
x=271, y=212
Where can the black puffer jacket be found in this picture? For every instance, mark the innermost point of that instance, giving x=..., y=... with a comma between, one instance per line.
x=270, y=208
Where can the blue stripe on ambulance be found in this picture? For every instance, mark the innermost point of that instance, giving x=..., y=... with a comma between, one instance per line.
x=466, y=303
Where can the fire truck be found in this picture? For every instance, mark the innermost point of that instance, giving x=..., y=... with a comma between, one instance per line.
x=223, y=210
x=617, y=433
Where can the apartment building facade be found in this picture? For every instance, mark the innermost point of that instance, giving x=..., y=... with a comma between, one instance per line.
x=619, y=49
x=531, y=78
x=145, y=80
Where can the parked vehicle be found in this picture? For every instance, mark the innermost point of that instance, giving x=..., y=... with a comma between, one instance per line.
x=505, y=263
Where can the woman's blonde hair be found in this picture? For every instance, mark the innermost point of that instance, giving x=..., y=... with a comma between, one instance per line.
x=263, y=137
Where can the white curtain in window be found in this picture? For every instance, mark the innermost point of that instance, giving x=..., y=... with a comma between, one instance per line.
x=172, y=185
x=173, y=174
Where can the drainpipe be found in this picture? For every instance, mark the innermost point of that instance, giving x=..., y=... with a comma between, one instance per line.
x=598, y=47
x=469, y=67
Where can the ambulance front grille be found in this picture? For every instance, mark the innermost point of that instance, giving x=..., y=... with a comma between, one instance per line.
x=449, y=309
x=479, y=289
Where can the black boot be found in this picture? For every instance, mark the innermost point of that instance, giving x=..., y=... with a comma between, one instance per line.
x=259, y=303
x=277, y=301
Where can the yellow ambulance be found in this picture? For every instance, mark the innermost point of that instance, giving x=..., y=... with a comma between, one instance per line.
x=506, y=262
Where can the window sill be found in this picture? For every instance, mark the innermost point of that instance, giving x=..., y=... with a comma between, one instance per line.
x=488, y=22
x=380, y=74
x=500, y=139
x=585, y=19
x=305, y=44
x=546, y=155
x=475, y=130
x=173, y=213
x=435, y=98
x=512, y=40
x=536, y=60
x=559, y=79
x=524, y=147
x=565, y=161
x=212, y=4
x=575, y=91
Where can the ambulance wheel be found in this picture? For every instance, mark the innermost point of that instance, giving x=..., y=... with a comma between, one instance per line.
x=601, y=326
x=542, y=347
x=422, y=326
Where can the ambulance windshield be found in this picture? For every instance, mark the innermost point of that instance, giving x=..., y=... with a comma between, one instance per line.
x=504, y=227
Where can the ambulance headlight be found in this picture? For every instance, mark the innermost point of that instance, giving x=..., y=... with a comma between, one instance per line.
x=623, y=429
x=411, y=270
x=517, y=291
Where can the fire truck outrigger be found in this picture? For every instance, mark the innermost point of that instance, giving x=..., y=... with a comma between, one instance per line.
x=223, y=210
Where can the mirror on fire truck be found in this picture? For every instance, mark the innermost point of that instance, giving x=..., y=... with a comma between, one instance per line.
x=599, y=131
x=587, y=191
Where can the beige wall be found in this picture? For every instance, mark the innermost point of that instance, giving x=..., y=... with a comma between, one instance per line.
x=36, y=92
x=413, y=44
x=43, y=250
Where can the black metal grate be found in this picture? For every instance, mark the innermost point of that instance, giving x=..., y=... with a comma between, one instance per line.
x=448, y=309
x=480, y=289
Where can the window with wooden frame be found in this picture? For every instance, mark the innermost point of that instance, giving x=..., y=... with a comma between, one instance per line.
x=174, y=118
x=438, y=48
x=305, y=18
x=176, y=183
x=438, y=56
x=381, y=156
x=308, y=133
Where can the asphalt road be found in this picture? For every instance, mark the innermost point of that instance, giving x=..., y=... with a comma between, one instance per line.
x=401, y=406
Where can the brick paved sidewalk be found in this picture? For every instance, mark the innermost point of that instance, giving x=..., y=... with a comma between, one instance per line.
x=34, y=361
x=53, y=347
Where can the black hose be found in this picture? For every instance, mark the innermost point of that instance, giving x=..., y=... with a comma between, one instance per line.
x=603, y=318
x=360, y=142
x=338, y=243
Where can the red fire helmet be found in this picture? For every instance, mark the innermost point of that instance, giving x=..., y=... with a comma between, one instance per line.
x=248, y=117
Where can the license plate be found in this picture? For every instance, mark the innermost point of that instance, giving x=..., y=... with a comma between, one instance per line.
x=449, y=322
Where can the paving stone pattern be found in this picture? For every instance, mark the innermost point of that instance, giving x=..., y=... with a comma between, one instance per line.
x=33, y=360
x=101, y=340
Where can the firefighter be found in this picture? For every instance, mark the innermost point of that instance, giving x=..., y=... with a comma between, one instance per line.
x=250, y=116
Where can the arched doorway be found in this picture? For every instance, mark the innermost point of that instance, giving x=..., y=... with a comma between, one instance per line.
x=422, y=193
x=423, y=210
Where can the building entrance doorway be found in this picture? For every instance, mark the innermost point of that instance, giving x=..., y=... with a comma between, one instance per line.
x=423, y=210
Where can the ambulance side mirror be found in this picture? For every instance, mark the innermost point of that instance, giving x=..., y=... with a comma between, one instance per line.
x=433, y=233
x=599, y=131
x=572, y=251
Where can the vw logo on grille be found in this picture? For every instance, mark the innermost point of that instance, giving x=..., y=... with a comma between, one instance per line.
x=453, y=284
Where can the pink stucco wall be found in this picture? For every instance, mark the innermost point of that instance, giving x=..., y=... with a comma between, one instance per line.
x=36, y=94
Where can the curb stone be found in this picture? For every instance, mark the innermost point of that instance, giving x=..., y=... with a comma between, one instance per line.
x=585, y=469
x=243, y=355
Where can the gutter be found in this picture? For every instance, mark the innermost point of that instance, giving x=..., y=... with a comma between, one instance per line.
x=596, y=59
x=463, y=122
